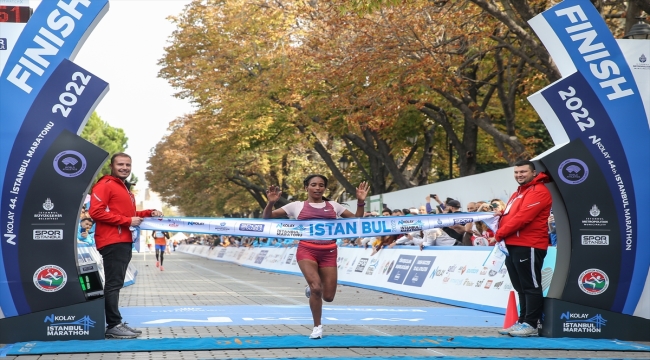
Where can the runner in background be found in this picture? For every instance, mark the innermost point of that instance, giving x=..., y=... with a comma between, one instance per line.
x=316, y=259
x=160, y=238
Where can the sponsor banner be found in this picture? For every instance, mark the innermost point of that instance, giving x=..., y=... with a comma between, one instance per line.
x=579, y=40
x=458, y=277
x=316, y=229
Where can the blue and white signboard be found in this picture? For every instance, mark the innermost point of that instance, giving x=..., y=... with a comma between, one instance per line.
x=600, y=106
x=44, y=165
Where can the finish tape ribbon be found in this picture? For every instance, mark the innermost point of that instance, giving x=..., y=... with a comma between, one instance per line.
x=320, y=229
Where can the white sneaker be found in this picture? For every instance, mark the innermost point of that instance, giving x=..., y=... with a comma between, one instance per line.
x=317, y=333
x=506, y=331
x=524, y=330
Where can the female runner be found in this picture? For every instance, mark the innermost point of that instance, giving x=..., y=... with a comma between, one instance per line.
x=316, y=259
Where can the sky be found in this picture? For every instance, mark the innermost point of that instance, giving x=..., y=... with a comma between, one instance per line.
x=123, y=50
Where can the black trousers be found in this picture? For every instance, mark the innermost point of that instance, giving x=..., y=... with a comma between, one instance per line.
x=116, y=260
x=524, y=266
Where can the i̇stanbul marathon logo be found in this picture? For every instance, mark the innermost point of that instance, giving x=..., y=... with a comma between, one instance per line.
x=593, y=281
x=50, y=278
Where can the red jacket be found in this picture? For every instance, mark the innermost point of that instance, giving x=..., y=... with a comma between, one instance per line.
x=526, y=221
x=112, y=206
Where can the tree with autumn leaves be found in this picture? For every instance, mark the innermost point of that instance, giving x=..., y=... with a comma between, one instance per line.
x=286, y=88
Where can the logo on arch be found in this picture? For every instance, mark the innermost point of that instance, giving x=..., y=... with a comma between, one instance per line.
x=50, y=278
x=69, y=163
x=593, y=281
x=573, y=171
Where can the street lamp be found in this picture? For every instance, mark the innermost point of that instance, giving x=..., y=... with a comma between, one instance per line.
x=344, y=162
x=640, y=30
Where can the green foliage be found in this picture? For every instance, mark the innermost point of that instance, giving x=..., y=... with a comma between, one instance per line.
x=111, y=139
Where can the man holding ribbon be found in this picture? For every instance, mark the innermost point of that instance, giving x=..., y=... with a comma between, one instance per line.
x=523, y=226
x=316, y=259
x=113, y=209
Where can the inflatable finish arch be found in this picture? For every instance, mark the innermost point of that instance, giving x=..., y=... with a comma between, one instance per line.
x=46, y=169
x=598, y=117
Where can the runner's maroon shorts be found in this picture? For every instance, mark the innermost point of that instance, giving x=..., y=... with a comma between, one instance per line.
x=324, y=253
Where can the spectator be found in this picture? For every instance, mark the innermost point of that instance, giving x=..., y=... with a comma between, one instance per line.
x=440, y=206
x=84, y=212
x=386, y=212
x=483, y=235
x=366, y=241
x=429, y=236
x=470, y=227
x=86, y=233
x=386, y=240
x=408, y=239
x=524, y=227
x=552, y=235
x=452, y=235
x=397, y=212
x=422, y=210
x=498, y=205
x=407, y=211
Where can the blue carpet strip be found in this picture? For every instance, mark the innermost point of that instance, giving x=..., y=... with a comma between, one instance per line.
x=426, y=357
x=333, y=341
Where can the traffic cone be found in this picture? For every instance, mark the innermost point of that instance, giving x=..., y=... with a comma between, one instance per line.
x=512, y=315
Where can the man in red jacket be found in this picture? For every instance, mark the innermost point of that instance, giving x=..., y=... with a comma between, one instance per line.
x=112, y=206
x=523, y=226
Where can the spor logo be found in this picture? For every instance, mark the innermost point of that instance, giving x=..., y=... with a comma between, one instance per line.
x=593, y=281
x=69, y=163
x=573, y=171
x=50, y=278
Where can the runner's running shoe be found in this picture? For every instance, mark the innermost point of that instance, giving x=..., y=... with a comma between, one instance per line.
x=317, y=333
